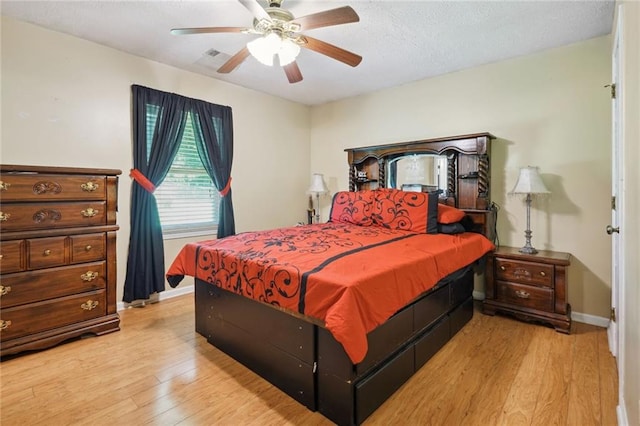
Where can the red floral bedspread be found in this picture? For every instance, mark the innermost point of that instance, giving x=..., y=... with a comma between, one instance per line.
x=353, y=278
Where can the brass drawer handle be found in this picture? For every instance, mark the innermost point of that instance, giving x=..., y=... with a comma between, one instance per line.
x=522, y=294
x=89, y=305
x=502, y=268
x=4, y=186
x=4, y=216
x=89, y=187
x=88, y=247
x=4, y=324
x=4, y=290
x=543, y=274
x=1, y=256
x=46, y=252
x=90, y=212
x=89, y=276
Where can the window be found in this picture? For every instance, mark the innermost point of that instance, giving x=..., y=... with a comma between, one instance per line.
x=187, y=199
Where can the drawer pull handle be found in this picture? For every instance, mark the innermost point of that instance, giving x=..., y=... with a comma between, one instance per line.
x=1, y=256
x=90, y=212
x=543, y=274
x=502, y=268
x=522, y=294
x=89, y=276
x=88, y=247
x=4, y=216
x=47, y=252
x=4, y=324
x=89, y=305
x=4, y=290
x=4, y=186
x=89, y=187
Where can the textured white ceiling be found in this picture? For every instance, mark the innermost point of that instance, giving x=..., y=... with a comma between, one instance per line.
x=400, y=41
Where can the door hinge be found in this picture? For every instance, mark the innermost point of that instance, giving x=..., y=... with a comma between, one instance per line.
x=613, y=315
x=613, y=89
x=613, y=202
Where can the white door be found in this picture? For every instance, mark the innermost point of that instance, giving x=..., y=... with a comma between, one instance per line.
x=616, y=173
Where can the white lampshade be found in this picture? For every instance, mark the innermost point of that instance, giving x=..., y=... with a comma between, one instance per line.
x=288, y=52
x=317, y=185
x=530, y=182
x=265, y=48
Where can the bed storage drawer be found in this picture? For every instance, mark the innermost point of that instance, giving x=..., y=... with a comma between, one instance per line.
x=427, y=345
x=283, y=331
x=376, y=388
x=285, y=371
x=429, y=309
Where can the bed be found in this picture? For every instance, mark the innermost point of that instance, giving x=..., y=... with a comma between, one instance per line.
x=339, y=315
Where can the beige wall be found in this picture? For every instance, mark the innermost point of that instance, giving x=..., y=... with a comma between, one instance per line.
x=630, y=289
x=66, y=102
x=549, y=110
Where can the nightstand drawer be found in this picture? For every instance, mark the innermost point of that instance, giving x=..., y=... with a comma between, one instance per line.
x=529, y=273
x=525, y=296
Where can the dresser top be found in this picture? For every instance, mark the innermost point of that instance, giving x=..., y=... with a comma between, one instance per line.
x=12, y=168
x=546, y=256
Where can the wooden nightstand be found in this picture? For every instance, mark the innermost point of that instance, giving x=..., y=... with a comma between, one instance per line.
x=531, y=287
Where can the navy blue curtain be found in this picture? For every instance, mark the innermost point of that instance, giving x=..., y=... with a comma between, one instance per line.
x=213, y=126
x=145, y=262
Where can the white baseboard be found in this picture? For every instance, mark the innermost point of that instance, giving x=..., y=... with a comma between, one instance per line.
x=575, y=316
x=621, y=411
x=590, y=319
x=156, y=297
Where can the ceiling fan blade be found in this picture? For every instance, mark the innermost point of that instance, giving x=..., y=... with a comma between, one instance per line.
x=255, y=8
x=293, y=72
x=331, y=51
x=207, y=30
x=341, y=15
x=234, y=61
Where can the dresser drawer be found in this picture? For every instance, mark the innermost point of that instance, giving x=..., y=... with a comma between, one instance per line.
x=530, y=273
x=525, y=296
x=35, y=187
x=23, y=320
x=11, y=259
x=28, y=287
x=45, y=252
x=85, y=248
x=26, y=216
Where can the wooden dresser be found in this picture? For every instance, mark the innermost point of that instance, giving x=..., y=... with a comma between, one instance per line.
x=531, y=287
x=57, y=255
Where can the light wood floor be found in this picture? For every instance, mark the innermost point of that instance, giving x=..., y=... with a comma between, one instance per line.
x=156, y=370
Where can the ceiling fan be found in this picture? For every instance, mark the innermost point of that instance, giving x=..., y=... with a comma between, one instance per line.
x=281, y=36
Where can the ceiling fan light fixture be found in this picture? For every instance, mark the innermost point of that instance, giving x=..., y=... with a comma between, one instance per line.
x=288, y=52
x=265, y=48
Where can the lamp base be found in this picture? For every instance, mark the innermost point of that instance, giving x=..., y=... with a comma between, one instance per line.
x=528, y=250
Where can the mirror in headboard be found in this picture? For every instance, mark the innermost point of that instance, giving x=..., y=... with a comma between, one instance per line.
x=422, y=172
x=457, y=165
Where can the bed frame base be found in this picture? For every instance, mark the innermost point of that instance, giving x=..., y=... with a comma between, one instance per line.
x=304, y=360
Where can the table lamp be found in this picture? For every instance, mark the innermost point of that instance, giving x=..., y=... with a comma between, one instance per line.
x=317, y=187
x=530, y=184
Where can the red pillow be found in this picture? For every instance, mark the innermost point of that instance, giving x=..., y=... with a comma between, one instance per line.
x=449, y=214
x=410, y=211
x=352, y=207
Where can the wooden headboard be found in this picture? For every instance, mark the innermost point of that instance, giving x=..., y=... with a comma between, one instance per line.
x=468, y=173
